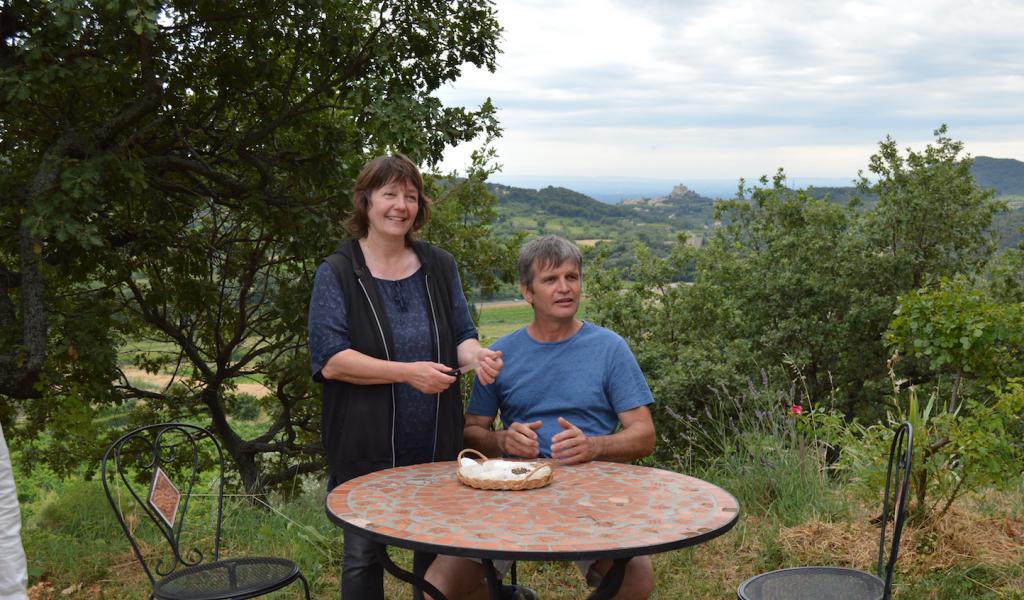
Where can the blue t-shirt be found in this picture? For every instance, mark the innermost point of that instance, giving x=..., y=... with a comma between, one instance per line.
x=588, y=379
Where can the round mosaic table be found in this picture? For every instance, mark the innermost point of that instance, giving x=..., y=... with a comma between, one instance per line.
x=590, y=511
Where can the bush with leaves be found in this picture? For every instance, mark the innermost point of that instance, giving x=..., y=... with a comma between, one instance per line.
x=973, y=447
x=671, y=328
x=959, y=335
x=774, y=454
x=967, y=349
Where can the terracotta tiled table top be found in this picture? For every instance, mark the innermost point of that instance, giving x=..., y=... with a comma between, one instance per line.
x=593, y=510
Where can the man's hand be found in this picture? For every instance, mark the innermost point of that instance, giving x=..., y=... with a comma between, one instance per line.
x=572, y=446
x=520, y=439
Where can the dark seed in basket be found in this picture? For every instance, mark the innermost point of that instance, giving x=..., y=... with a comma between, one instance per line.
x=520, y=470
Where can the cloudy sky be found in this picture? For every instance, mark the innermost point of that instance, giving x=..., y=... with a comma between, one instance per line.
x=712, y=89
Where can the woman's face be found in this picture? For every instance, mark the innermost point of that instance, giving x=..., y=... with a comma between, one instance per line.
x=392, y=209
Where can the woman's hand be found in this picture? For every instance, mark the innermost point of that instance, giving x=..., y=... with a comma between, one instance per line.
x=490, y=361
x=428, y=377
x=490, y=365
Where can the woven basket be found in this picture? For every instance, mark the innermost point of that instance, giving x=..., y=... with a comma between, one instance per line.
x=537, y=477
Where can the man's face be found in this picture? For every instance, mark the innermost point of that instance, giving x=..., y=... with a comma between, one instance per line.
x=555, y=293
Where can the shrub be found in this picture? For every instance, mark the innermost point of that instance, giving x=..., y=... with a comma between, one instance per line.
x=956, y=452
x=771, y=452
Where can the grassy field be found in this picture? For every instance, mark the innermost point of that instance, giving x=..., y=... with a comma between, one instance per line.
x=500, y=318
x=794, y=512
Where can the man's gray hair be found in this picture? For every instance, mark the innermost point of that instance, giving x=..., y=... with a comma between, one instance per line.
x=544, y=252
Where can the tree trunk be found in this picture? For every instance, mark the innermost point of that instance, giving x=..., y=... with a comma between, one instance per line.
x=252, y=481
x=21, y=366
x=234, y=446
x=954, y=397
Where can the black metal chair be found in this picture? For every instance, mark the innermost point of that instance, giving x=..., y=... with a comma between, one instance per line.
x=156, y=468
x=837, y=583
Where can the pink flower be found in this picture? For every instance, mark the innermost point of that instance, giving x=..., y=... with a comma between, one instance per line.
x=796, y=409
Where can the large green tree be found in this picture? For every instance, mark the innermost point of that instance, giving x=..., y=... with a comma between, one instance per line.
x=783, y=263
x=173, y=170
x=932, y=219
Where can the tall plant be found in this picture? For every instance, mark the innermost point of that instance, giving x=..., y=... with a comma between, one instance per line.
x=960, y=336
x=957, y=449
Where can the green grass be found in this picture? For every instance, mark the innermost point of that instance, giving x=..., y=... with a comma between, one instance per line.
x=500, y=319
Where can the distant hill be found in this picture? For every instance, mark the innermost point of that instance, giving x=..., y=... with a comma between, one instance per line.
x=1005, y=175
x=658, y=220
x=681, y=204
x=554, y=207
x=655, y=222
x=555, y=202
x=841, y=195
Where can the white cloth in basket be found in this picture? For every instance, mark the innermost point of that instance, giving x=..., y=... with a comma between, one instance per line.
x=500, y=470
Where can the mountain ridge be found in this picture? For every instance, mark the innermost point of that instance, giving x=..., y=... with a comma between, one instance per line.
x=1005, y=175
x=657, y=220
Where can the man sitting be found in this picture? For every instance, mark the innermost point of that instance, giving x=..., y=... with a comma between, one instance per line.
x=566, y=387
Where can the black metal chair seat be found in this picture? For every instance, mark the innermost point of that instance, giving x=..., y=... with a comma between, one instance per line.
x=813, y=583
x=230, y=578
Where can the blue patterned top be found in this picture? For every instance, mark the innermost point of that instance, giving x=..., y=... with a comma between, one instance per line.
x=408, y=311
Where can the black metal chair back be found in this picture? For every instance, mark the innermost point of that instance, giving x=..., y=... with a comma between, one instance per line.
x=150, y=476
x=840, y=583
x=897, y=474
x=137, y=459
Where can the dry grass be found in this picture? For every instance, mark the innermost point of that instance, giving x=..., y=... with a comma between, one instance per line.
x=124, y=579
x=962, y=537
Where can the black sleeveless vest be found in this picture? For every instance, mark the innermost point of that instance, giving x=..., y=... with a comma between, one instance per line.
x=357, y=421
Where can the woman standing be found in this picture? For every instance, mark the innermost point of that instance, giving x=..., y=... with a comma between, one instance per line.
x=387, y=323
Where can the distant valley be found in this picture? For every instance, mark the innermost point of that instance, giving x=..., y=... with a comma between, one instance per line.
x=657, y=219
x=1003, y=174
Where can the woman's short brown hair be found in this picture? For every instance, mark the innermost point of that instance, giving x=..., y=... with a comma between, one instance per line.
x=376, y=174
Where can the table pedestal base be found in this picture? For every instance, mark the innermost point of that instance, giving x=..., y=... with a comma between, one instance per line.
x=611, y=582
x=411, y=578
x=493, y=583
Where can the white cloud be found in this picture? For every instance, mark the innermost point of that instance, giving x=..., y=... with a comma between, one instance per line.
x=735, y=88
